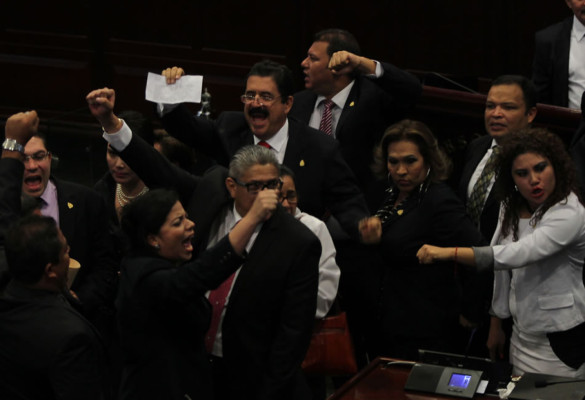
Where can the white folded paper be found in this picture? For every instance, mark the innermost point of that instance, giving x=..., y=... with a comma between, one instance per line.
x=184, y=90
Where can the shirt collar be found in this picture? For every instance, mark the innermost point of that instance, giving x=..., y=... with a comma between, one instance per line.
x=340, y=98
x=578, y=29
x=49, y=196
x=279, y=139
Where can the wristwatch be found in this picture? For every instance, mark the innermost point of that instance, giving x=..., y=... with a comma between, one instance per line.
x=12, y=145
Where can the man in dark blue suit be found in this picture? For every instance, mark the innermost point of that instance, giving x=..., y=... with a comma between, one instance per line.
x=368, y=96
x=558, y=70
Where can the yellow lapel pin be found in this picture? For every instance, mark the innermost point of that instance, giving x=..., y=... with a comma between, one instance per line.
x=69, y=205
x=352, y=104
x=302, y=163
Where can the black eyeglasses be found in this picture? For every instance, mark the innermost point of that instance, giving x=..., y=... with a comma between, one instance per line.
x=37, y=157
x=265, y=98
x=291, y=197
x=256, y=186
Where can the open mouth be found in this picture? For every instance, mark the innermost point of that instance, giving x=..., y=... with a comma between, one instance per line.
x=33, y=182
x=187, y=245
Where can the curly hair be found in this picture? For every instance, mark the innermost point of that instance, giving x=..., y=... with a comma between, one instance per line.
x=419, y=134
x=546, y=144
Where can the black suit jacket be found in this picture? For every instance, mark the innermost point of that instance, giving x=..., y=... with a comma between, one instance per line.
x=421, y=303
x=83, y=221
x=550, y=68
x=269, y=319
x=577, y=149
x=371, y=107
x=270, y=315
x=163, y=316
x=324, y=181
x=47, y=349
x=489, y=216
x=11, y=171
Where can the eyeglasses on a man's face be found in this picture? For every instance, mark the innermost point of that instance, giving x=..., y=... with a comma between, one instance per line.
x=290, y=196
x=37, y=157
x=264, y=98
x=256, y=186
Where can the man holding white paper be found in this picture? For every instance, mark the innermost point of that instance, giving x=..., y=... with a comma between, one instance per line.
x=326, y=184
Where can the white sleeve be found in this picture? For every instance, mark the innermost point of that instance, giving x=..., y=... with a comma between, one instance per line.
x=560, y=226
x=119, y=140
x=328, y=270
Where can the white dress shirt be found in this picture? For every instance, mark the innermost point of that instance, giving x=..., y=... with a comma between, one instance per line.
x=328, y=270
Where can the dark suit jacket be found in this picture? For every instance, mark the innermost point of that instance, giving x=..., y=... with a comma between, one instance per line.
x=163, y=316
x=324, y=181
x=491, y=210
x=577, y=149
x=550, y=68
x=371, y=107
x=11, y=171
x=269, y=318
x=47, y=349
x=83, y=221
x=421, y=303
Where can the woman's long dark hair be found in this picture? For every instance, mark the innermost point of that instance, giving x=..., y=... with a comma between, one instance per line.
x=145, y=216
x=546, y=144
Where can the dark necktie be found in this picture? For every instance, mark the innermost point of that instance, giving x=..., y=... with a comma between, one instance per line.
x=480, y=189
x=326, y=119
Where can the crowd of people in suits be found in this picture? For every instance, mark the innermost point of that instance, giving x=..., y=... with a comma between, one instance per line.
x=207, y=284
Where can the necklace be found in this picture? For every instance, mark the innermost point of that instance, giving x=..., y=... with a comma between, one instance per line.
x=123, y=198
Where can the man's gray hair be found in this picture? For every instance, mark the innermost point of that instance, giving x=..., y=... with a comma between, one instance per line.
x=248, y=156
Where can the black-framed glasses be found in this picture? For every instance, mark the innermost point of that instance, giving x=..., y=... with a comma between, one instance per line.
x=290, y=196
x=265, y=98
x=37, y=157
x=256, y=186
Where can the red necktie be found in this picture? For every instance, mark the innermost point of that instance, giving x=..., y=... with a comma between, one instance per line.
x=264, y=144
x=326, y=120
x=217, y=298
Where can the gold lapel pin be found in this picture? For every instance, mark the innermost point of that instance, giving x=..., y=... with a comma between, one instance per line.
x=352, y=104
x=302, y=163
x=69, y=205
x=400, y=212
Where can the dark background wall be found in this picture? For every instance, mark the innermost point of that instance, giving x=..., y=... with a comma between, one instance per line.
x=52, y=53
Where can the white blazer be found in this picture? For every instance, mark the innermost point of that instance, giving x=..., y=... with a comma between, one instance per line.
x=548, y=292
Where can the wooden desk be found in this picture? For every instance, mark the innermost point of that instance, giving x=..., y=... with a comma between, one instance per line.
x=378, y=382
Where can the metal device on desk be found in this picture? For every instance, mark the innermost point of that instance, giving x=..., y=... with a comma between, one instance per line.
x=456, y=375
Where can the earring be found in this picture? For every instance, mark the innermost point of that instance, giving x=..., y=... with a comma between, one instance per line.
x=157, y=246
x=515, y=188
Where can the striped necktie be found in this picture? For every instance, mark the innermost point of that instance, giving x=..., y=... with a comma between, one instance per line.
x=480, y=189
x=326, y=119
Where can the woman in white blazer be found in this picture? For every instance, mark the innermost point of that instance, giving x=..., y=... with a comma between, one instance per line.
x=537, y=253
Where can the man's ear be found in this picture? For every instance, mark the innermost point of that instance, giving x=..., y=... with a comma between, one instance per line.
x=230, y=185
x=50, y=271
x=288, y=104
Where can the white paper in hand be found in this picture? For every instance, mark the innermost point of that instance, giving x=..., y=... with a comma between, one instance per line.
x=184, y=90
